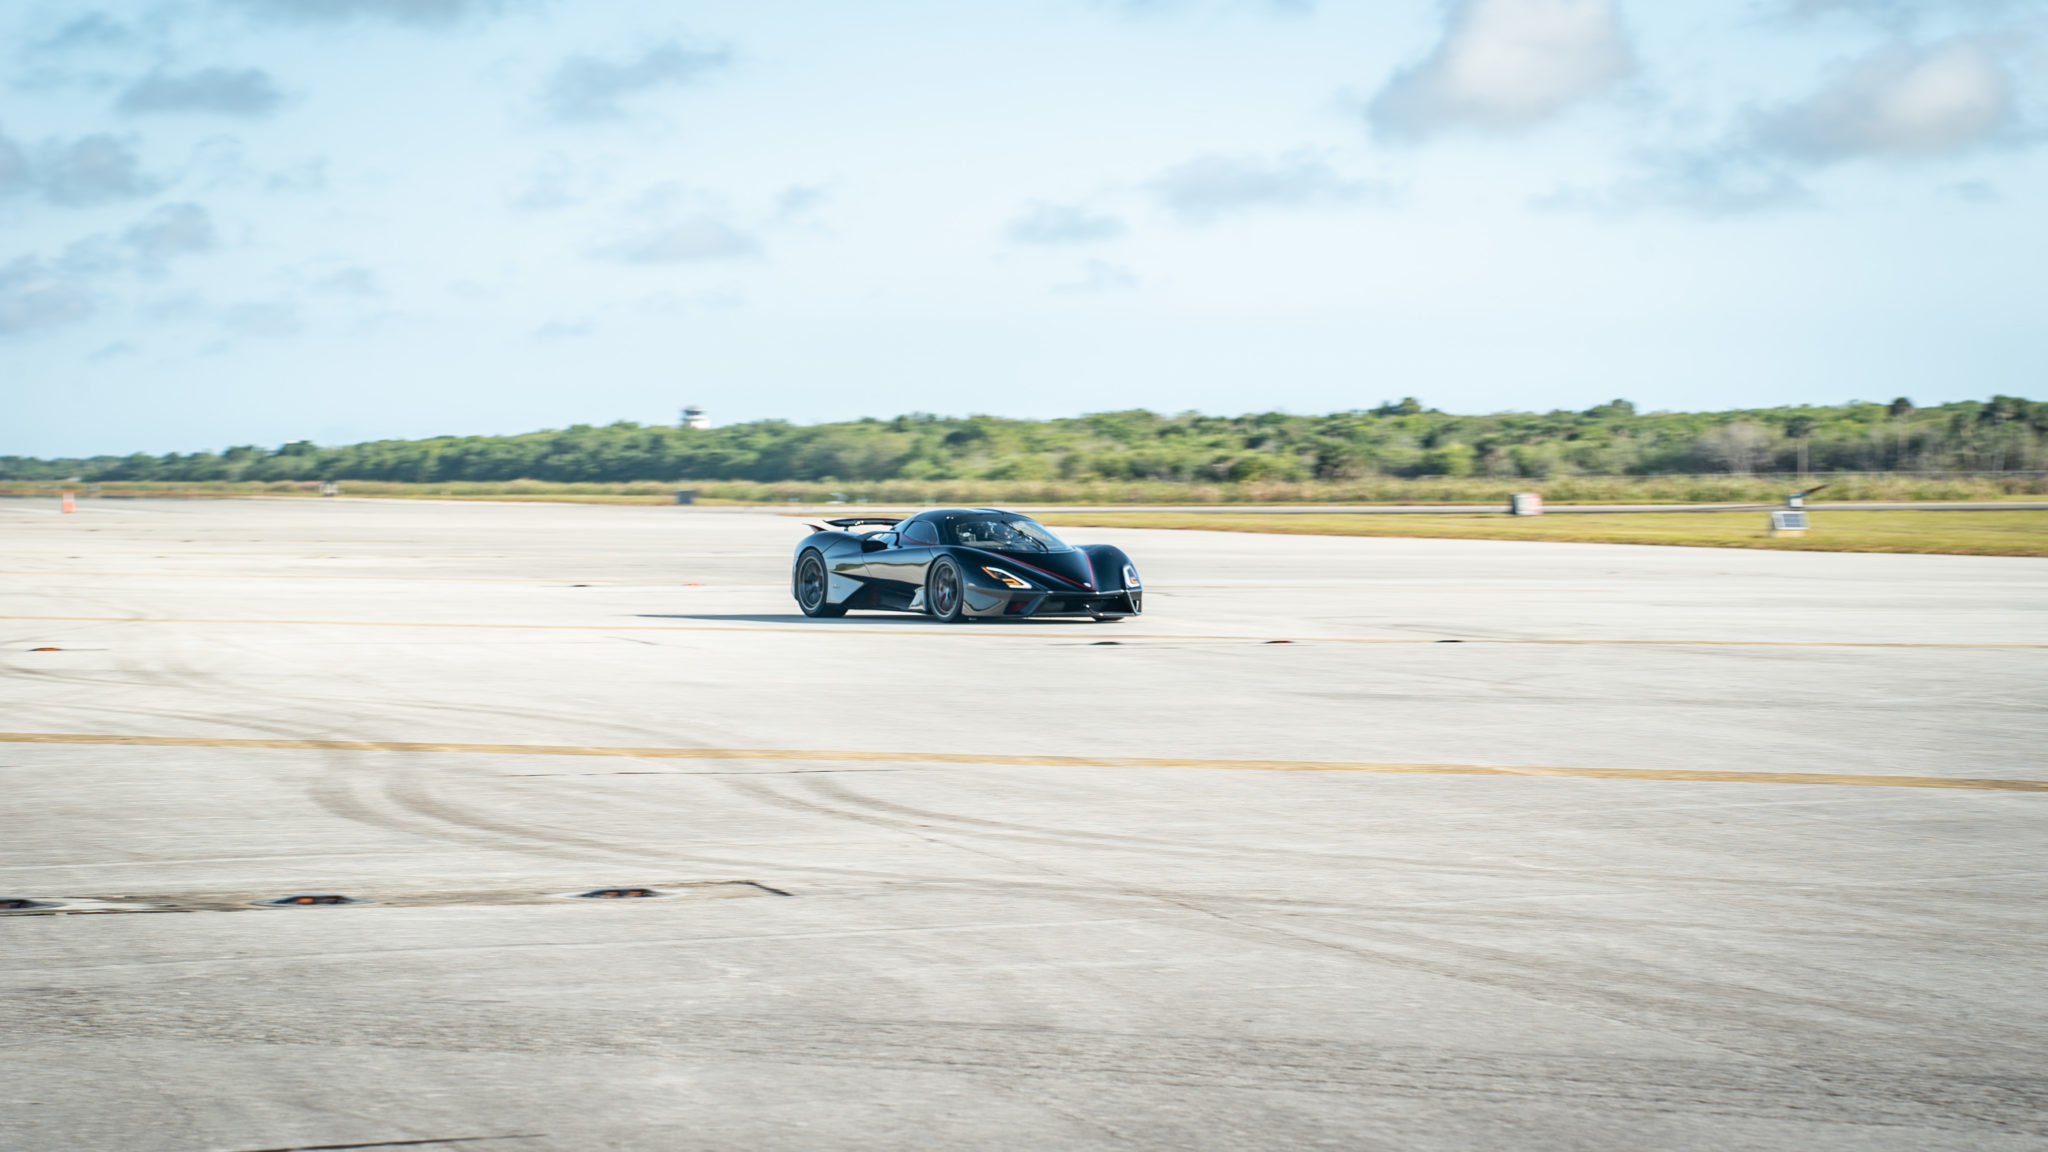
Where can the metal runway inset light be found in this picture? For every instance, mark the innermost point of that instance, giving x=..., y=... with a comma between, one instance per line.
x=618, y=894
x=24, y=904
x=309, y=900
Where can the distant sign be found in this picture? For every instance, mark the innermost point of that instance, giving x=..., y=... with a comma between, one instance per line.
x=1526, y=504
x=1788, y=521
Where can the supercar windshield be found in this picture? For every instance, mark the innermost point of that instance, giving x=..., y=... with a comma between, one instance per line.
x=1005, y=534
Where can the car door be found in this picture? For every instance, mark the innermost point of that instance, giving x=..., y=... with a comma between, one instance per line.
x=900, y=568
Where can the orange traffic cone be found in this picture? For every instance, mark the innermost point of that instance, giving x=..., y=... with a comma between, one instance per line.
x=70, y=505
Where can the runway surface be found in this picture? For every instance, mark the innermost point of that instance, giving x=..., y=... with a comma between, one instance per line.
x=1672, y=848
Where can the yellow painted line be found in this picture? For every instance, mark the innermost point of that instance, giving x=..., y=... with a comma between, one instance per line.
x=983, y=758
x=562, y=582
x=84, y=574
x=1015, y=631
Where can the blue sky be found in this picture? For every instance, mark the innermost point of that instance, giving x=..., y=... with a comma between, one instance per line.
x=231, y=221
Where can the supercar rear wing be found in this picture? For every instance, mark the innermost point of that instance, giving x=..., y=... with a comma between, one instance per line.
x=856, y=521
x=850, y=521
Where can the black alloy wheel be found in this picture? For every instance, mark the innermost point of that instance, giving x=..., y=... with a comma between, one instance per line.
x=810, y=587
x=944, y=594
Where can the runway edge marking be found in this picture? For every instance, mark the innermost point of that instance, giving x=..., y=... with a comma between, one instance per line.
x=1836, y=779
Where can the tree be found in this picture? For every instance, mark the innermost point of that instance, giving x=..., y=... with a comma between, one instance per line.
x=1739, y=446
x=1800, y=428
x=1398, y=439
x=1450, y=459
x=2002, y=409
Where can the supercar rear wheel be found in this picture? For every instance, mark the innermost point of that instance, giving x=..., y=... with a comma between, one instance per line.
x=810, y=587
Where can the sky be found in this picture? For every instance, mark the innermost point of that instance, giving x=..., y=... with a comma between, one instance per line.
x=254, y=221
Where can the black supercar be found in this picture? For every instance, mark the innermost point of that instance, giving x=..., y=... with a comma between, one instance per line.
x=960, y=564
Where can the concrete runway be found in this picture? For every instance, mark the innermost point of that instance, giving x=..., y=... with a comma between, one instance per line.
x=1011, y=886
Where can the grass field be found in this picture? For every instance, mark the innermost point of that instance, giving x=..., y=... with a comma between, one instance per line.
x=2017, y=533
x=1039, y=494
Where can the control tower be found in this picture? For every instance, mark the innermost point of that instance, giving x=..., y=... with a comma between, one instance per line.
x=694, y=417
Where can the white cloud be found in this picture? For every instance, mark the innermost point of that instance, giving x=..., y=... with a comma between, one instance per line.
x=557, y=330
x=222, y=91
x=171, y=230
x=1898, y=12
x=1719, y=183
x=33, y=297
x=147, y=246
x=80, y=172
x=1206, y=188
x=555, y=183
x=418, y=13
x=1505, y=65
x=669, y=223
x=1044, y=223
x=355, y=280
x=14, y=170
x=1899, y=102
x=698, y=238
x=800, y=199
x=1974, y=191
x=92, y=30
x=1101, y=276
x=301, y=176
x=270, y=319
x=1166, y=7
x=590, y=88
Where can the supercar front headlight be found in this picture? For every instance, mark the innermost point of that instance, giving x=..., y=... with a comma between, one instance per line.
x=1009, y=579
x=1131, y=577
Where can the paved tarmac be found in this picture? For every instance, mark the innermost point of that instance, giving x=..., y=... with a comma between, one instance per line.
x=1674, y=849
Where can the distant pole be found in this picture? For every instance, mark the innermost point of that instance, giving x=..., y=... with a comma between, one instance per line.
x=1801, y=428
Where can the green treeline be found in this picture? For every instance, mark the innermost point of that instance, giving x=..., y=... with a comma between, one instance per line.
x=2003, y=434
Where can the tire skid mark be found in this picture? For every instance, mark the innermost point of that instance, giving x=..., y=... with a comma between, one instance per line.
x=922, y=817
x=1721, y=1013
x=1860, y=1094
x=352, y=798
x=1628, y=995
x=413, y=792
x=1113, y=841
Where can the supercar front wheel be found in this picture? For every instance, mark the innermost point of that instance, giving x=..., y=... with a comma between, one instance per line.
x=945, y=595
x=810, y=588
